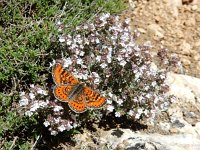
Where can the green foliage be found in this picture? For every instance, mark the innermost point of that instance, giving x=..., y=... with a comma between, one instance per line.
x=27, y=45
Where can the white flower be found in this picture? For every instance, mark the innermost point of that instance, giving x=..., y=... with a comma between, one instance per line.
x=79, y=61
x=52, y=64
x=110, y=108
x=122, y=63
x=42, y=103
x=139, y=112
x=46, y=123
x=82, y=53
x=137, y=116
x=61, y=39
x=103, y=65
x=110, y=94
x=109, y=101
x=28, y=113
x=67, y=62
x=103, y=17
x=127, y=20
x=97, y=41
x=57, y=120
x=41, y=91
x=109, y=56
x=34, y=107
x=154, y=83
x=57, y=108
x=23, y=101
x=32, y=85
x=22, y=94
x=130, y=112
x=75, y=125
x=98, y=58
x=54, y=132
x=117, y=114
x=32, y=96
x=119, y=102
x=119, y=58
x=61, y=128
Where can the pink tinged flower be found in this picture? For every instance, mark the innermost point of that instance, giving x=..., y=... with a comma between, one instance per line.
x=117, y=114
x=57, y=108
x=73, y=46
x=109, y=56
x=67, y=62
x=119, y=58
x=61, y=128
x=57, y=120
x=31, y=95
x=154, y=83
x=110, y=108
x=46, y=123
x=61, y=39
x=28, y=113
x=69, y=126
x=23, y=101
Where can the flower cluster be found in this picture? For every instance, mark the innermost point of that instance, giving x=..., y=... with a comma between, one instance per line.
x=39, y=102
x=105, y=54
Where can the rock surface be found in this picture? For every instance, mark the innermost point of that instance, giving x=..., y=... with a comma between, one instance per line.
x=175, y=24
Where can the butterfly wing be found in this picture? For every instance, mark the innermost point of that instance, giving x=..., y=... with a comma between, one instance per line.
x=61, y=92
x=62, y=76
x=78, y=104
x=93, y=99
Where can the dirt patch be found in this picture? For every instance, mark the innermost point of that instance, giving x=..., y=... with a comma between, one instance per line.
x=173, y=24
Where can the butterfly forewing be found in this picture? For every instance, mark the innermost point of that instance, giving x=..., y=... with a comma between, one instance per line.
x=62, y=76
x=93, y=99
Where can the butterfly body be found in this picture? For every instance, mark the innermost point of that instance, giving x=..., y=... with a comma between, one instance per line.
x=69, y=89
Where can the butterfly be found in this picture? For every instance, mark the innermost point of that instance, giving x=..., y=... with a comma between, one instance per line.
x=68, y=89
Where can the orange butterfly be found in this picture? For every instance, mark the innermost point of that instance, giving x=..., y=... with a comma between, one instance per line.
x=69, y=89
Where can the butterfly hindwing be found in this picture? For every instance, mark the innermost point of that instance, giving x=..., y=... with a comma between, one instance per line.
x=78, y=104
x=61, y=92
